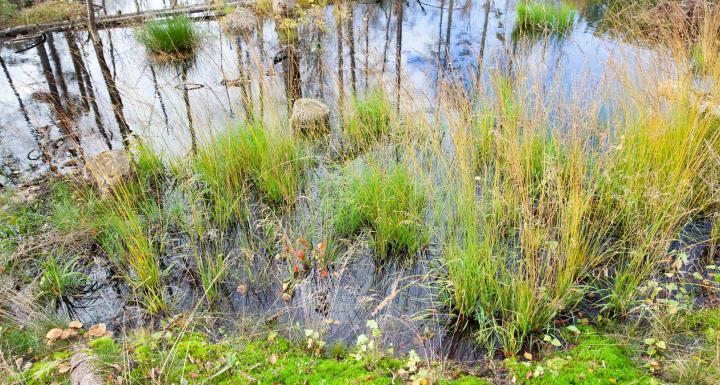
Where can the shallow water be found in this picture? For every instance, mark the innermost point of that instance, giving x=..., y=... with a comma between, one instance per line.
x=176, y=107
x=439, y=41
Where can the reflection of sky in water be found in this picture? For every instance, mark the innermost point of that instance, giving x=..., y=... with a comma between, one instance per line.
x=573, y=67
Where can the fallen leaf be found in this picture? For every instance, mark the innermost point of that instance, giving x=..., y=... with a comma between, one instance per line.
x=528, y=356
x=242, y=289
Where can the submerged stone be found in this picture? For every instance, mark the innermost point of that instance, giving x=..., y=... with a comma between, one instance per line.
x=242, y=21
x=108, y=169
x=310, y=115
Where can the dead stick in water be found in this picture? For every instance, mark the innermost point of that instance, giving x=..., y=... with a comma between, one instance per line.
x=119, y=19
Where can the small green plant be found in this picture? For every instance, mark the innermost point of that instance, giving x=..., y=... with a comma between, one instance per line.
x=544, y=17
x=368, y=122
x=61, y=281
x=315, y=344
x=368, y=346
x=174, y=37
x=391, y=203
x=7, y=9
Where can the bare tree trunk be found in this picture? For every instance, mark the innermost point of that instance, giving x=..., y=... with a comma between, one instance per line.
x=115, y=99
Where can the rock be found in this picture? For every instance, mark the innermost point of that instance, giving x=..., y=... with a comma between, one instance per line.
x=241, y=21
x=310, y=116
x=83, y=371
x=108, y=169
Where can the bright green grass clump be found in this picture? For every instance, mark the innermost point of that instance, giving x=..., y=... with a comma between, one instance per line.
x=173, y=37
x=249, y=154
x=368, y=122
x=538, y=16
x=390, y=202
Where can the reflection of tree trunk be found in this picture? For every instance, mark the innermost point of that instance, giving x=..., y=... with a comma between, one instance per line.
x=160, y=98
x=449, y=31
x=112, y=54
x=340, y=53
x=291, y=74
x=115, y=99
x=23, y=109
x=442, y=15
x=481, y=54
x=63, y=120
x=59, y=73
x=388, y=16
x=351, y=39
x=261, y=80
x=89, y=88
x=483, y=39
x=367, y=46
x=76, y=59
x=49, y=77
x=398, y=48
x=188, y=109
x=244, y=83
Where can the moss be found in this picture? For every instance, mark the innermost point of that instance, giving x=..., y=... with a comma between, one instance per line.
x=596, y=359
x=195, y=359
x=45, y=12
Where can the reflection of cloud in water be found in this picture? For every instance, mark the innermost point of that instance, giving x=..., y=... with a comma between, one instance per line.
x=153, y=94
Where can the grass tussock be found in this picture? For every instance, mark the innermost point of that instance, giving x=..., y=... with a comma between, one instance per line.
x=388, y=201
x=172, y=38
x=250, y=155
x=542, y=218
x=368, y=121
x=546, y=17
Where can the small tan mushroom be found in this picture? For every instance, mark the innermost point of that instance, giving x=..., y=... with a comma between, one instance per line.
x=75, y=325
x=97, y=330
x=64, y=367
x=54, y=333
x=66, y=334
